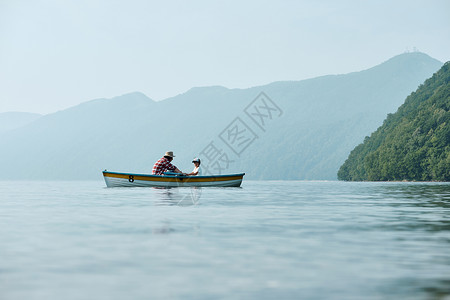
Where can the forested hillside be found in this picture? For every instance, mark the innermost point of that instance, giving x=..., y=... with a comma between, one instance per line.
x=413, y=143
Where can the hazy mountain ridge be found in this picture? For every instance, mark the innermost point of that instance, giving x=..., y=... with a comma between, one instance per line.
x=323, y=119
x=13, y=120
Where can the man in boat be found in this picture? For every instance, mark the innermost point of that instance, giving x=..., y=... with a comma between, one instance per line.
x=163, y=165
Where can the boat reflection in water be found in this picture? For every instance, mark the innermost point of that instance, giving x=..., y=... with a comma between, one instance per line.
x=178, y=196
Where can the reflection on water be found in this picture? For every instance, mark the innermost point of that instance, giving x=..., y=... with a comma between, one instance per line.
x=420, y=194
x=266, y=240
x=164, y=228
x=415, y=205
x=438, y=290
x=178, y=196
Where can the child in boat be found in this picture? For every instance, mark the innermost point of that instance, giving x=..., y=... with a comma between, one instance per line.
x=197, y=171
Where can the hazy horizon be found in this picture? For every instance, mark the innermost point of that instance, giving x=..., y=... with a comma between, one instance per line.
x=57, y=55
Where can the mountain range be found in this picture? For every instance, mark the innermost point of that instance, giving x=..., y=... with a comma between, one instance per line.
x=293, y=130
x=13, y=120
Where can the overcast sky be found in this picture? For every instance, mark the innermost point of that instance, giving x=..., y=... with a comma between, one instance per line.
x=55, y=54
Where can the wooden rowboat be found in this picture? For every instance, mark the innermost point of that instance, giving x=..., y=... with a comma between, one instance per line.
x=116, y=179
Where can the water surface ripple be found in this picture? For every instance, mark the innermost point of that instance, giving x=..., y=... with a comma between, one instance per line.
x=266, y=240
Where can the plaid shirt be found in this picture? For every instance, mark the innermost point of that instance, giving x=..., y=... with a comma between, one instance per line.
x=162, y=165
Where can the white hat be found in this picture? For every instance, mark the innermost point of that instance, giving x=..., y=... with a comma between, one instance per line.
x=196, y=160
x=169, y=153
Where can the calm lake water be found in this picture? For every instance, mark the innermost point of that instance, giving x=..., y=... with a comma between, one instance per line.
x=266, y=240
